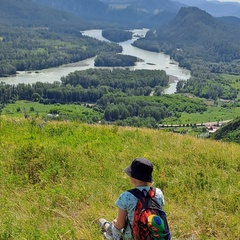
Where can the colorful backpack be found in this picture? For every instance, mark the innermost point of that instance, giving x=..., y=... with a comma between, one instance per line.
x=150, y=221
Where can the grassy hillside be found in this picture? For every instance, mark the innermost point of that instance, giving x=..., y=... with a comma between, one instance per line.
x=58, y=178
x=230, y=132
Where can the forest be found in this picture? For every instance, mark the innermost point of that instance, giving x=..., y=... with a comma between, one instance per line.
x=117, y=35
x=128, y=97
x=214, y=88
x=40, y=48
x=114, y=60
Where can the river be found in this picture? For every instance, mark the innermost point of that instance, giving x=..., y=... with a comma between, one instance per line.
x=151, y=60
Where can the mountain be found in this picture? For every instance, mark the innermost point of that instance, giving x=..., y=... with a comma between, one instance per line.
x=137, y=13
x=215, y=8
x=198, y=33
x=89, y=9
x=127, y=13
x=152, y=6
x=28, y=13
x=229, y=133
x=230, y=20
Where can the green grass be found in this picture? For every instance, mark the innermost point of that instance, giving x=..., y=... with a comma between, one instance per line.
x=57, y=179
x=213, y=114
x=66, y=111
x=82, y=113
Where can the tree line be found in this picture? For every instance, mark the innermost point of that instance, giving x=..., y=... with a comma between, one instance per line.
x=209, y=89
x=117, y=35
x=114, y=60
x=128, y=97
x=89, y=86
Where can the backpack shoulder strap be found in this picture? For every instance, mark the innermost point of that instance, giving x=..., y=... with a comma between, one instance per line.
x=152, y=192
x=138, y=193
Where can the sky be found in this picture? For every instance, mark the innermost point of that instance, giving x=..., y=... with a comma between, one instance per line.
x=229, y=1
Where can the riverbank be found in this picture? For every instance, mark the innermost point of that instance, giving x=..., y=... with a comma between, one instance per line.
x=159, y=61
x=173, y=79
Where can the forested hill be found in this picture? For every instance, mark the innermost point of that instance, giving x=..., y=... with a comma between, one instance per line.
x=229, y=133
x=131, y=14
x=230, y=20
x=196, y=37
x=27, y=13
x=216, y=8
x=89, y=9
x=201, y=36
x=137, y=14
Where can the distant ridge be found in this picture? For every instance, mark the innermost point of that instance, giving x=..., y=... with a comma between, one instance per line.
x=28, y=13
x=215, y=8
x=137, y=13
x=230, y=20
x=82, y=8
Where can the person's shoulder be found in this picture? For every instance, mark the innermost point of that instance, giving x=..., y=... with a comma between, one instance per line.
x=126, y=194
x=125, y=200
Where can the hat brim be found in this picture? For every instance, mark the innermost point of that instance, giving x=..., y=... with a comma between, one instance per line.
x=145, y=179
x=128, y=171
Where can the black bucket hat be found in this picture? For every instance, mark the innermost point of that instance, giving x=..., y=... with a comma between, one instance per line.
x=141, y=169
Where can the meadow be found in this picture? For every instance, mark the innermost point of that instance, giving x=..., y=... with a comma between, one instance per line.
x=58, y=178
x=88, y=114
x=66, y=111
x=213, y=114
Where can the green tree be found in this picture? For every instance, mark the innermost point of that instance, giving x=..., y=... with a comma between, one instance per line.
x=36, y=97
